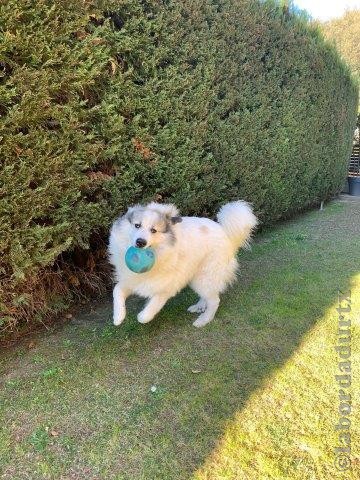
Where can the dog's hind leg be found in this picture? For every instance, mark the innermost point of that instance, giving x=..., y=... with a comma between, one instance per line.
x=198, y=307
x=212, y=304
x=153, y=307
x=119, y=295
x=210, y=281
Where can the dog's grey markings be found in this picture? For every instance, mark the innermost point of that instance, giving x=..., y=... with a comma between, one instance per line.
x=168, y=228
x=170, y=233
x=129, y=216
x=131, y=212
x=172, y=238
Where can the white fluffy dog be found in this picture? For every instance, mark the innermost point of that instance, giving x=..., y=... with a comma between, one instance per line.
x=189, y=250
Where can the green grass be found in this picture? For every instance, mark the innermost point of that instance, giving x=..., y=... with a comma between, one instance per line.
x=251, y=396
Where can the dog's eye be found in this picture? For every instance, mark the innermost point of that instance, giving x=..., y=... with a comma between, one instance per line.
x=153, y=230
x=137, y=225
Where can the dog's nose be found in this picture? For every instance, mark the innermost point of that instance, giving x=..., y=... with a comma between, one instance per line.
x=140, y=242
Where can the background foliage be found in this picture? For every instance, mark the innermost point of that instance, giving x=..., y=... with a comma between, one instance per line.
x=345, y=33
x=104, y=104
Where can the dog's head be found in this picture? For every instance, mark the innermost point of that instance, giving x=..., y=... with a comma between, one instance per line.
x=152, y=225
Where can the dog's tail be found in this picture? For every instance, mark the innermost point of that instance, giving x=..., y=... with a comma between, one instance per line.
x=238, y=221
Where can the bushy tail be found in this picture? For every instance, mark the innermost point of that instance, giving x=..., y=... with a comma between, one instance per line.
x=238, y=221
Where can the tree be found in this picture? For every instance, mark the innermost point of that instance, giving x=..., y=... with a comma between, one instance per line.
x=345, y=33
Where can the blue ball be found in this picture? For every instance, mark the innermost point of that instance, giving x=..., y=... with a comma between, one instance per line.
x=139, y=260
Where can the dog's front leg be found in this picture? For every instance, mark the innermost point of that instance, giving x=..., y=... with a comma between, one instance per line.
x=153, y=306
x=119, y=295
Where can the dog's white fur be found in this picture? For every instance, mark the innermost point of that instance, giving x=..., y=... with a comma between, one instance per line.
x=189, y=250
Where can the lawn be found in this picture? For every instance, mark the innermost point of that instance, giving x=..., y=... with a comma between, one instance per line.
x=252, y=396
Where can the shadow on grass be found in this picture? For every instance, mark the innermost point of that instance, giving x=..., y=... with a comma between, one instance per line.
x=151, y=402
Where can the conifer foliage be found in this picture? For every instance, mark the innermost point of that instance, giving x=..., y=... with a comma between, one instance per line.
x=104, y=104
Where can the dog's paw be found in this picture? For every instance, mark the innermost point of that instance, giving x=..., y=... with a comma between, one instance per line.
x=118, y=321
x=199, y=307
x=144, y=317
x=201, y=321
x=119, y=317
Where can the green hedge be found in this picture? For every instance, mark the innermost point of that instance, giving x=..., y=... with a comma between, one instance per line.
x=108, y=103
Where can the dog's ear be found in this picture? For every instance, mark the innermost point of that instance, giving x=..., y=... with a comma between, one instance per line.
x=130, y=213
x=175, y=220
